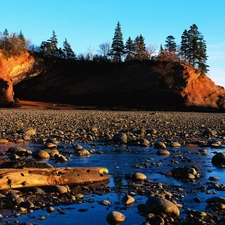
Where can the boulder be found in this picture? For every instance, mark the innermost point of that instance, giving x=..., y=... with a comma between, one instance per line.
x=120, y=138
x=115, y=218
x=219, y=159
x=161, y=206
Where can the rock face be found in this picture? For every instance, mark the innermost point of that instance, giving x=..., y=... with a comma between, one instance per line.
x=148, y=84
x=200, y=90
x=10, y=69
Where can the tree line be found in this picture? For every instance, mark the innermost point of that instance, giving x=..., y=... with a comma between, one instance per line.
x=12, y=44
x=192, y=48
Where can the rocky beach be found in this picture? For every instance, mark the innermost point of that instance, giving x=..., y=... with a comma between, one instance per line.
x=165, y=167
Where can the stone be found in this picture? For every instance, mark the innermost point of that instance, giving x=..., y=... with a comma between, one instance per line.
x=29, y=131
x=105, y=202
x=60, y=158
x=175, y=144
x=160, y=145
x=120, y=138
x=162, y=152
x=3, y=141
x=128, y=200
x=60, y=189
x=161, y=206
x=216, y=200
x=41, y=154
x=139, y=177
x=50, y=209
x=219, y=159
x=115, y=217
x=50, y=145
x=52, y=152
x=83, y=152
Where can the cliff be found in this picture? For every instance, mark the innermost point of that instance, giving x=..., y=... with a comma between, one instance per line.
x=12, y=71
x=148, y=84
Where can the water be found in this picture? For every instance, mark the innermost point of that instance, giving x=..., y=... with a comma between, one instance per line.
x=122, y=160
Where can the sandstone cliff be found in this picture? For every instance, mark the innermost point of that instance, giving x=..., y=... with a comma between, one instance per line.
x=148, y=84
x=12, y=71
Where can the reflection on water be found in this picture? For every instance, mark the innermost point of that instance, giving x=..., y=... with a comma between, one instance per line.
x=123, y=160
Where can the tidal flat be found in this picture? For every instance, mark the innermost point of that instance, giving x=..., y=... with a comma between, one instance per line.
x=173, y=151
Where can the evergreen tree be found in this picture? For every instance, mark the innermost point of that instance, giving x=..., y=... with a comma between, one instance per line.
x=184, y=46
x=45, y=48
x=129, y=49
x=22, y=40
x=6, y=46
x=193, y=47
x=6, y=34
x=140, y=48
x=49, y=47
x=53, y=44
x=117, y=48
x=67, y=50
x=170, y=44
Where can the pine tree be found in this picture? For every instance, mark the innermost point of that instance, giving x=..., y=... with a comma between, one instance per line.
x=170, y=44
x=193, y=47
x=140, y=48
x=184, y=46
x=129, y=49
x=67, y=50
x=22, y=40
x=53, y=44
x=49, y=47
x=117, y=48
x=6, y=33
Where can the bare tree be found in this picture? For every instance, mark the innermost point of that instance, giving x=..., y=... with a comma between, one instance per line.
x=151, y=50
x=90, y=52
x=104, y=49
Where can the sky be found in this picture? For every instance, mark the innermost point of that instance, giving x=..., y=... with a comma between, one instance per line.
x=88, y=23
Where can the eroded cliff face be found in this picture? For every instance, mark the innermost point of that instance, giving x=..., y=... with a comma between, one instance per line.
x=149, y=84
x=200, y=90
x=12, y=70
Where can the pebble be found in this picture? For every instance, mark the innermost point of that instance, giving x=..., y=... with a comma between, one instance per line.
x=139, y=176
x=115, y=217
x=128, y=200
x=158, y=129
x=163, y=152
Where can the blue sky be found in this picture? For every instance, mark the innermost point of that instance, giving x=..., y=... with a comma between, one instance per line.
x=88, y=23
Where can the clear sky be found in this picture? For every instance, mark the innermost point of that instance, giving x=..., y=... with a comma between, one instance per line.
x=88, y=23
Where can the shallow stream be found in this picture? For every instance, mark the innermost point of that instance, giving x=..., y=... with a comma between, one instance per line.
x=121, y=161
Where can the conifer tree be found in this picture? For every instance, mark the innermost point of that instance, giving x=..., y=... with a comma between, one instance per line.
x=67, y=50
x=140, y=48
x=6, y=34
x=22, y=40
x=53, y=44
x=49, y=47
x=170, y=44
x=184, y=46
x=117, y=48
x=129, y=49
x=193, y=47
